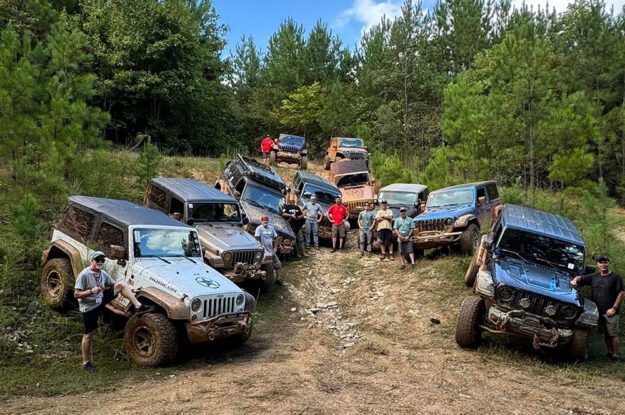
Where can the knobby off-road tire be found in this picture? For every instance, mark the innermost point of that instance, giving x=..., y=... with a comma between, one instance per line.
x=272, y=158
x=150, y=339
x=470, y=240
x=471, y=275
x=303, y=164
x=55, y=283
x=468, y=334
x=578, y=347
x=267, y=283
x=326, y=163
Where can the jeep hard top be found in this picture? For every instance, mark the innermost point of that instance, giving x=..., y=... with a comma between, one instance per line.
x=355, y=182
x=260, y=191
x=147, y=249
x=345, y=148
x=219, y=222
x=454, y=216
x=290, y=149
x=404, y=195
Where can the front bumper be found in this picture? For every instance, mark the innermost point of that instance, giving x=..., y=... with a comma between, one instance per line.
x=435, y=239
x=289, y=157
x=219, y=327
x=244, y=272
x=542, y=330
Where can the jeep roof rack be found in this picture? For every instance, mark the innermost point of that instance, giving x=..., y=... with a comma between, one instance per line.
x=261, y=172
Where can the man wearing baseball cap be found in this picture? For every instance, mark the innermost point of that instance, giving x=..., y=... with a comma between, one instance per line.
x=94, y=289
x=607, y=293
x=384, y=223
x=266, y=234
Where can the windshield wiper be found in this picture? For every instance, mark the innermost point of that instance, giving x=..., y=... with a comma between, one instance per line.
x=156, y=256
x=254, y=203
x=551, y=264
x=514, y=253
x=269, y=208
x=190, y=259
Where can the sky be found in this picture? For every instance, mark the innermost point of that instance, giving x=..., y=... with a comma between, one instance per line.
x=346, y=18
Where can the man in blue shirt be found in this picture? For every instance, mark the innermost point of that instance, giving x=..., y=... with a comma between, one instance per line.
x=366, y=222
x=266, y=235
x=403, y=228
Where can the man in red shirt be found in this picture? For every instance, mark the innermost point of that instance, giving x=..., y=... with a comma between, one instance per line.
x=265, y=147
x=338, y=214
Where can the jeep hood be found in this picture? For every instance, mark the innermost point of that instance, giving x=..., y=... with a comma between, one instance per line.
x=352, y=150
x=536, y=278
x=446, y=212
x=278, y=222
x=357, y=193
x=181, y=276
x=226, y=237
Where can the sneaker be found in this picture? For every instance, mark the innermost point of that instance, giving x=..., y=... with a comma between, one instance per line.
x=391, y=256
x=144, y=309
x=333, y=250
x=613, y=358
x=362, y=253
x=88, y=367
x=305, y=255
x=317, y=246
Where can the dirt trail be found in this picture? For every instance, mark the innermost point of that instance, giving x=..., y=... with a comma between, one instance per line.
x=354, y=335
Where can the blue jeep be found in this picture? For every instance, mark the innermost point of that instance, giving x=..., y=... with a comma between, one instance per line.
x=454, y=216
x=521, y=275
x=290, y=149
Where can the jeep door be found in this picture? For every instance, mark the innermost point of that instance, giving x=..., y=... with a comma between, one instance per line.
x=493, y=198
x=484, y=212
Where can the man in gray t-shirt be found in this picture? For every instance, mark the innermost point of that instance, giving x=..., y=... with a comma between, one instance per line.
x=314, y=214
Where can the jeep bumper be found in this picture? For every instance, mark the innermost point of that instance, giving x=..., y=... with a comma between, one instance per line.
x=288, y=157
x=244, y=272
x=219, y=327
x=433, y=239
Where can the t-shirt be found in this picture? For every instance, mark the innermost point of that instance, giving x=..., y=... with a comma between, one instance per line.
x=605, y=289
x=313, y=211
x=266, y=236
x=296, y=224
x=384, y=224
x=88, y=279
x=403, y=226
x=339, y=213
x=266, y=145
x=366, y=218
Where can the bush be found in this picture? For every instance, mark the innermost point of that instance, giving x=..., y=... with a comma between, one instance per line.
x=389, y=169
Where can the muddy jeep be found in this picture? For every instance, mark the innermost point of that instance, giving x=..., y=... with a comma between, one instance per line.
x=521, y=277
x=219, y=222
x=290, y=149
x=352, y=177
x=147, y=249
x=456, y=215
x=260, y=191
x=345, y=148
x=305, y=185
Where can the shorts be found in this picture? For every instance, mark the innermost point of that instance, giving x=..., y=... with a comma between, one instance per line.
x=404, y=247
x=385, y=236
x=90, y=318
x=265, y=155
x=609, y=325
x=338, y=231
x=275, y=261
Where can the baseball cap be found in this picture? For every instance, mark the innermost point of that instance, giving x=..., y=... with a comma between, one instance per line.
x=402, y=209
x=603, y=258
x=96, y=254
x=383, y=202
x=264, y=217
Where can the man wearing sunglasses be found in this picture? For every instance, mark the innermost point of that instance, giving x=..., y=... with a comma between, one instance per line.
x=94, y=289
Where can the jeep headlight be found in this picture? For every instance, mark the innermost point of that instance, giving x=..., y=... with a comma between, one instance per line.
x=196, y=304
x=449, y=222
x=240, y=299
x=227, y=256
x=258, y=256
x=569, y=312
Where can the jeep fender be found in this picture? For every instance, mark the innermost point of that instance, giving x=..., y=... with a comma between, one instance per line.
x=213, y=260
x=60, y=249
x=175, y=308
x=464, y=221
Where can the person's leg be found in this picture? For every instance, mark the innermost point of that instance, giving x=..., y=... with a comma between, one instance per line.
x=90, y=323
x=309, y=227
x=362, y=240
x=276, y=266
x=608, y=344
x=382, y=239
x=126, y=292
x=341, y=231
x=316, y=234
x=85, y=347
x=369, y=241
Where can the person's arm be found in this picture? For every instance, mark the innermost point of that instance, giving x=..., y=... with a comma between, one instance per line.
x=360, y=225
x=581, y=281
x=275, y=242
x=81, y=291
x=286, y=215
x=619, y=298
x=257, y=233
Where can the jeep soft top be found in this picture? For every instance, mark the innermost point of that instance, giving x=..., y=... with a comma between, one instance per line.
x=404, y=187
x=345, y=167
x=191, y=190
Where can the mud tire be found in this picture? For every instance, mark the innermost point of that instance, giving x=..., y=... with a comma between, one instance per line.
x=326, y=163
x=578, y=347
x=272, y=158
x=267, y=283
x=468, y=334
x=470, y=240
x=471, y=275
x=150, y=339
x=55, y=283
x=303, y=164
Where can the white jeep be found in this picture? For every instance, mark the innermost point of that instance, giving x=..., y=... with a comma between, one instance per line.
x=147, y=249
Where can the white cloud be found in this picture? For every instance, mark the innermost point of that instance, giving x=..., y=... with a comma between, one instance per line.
x=561, y=5
x=369, y=12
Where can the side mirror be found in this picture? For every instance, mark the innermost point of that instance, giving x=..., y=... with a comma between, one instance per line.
x=236, y=193
x=481, y=201
x=190, y=222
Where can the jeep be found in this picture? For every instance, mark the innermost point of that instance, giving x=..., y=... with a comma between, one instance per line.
x=345, y=148
x=146, y=248
x=260, y=191
x=305, y=185
x=521, y=276
x=290, y=149
x=352, y=177
x=219, y=222
x=455, y=216
x=405, y=195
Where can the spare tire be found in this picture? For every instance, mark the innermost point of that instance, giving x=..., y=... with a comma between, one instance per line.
x=56, y=282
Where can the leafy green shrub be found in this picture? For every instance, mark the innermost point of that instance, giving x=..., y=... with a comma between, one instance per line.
x=437, y=173
x=389, y=169
x=514, y=194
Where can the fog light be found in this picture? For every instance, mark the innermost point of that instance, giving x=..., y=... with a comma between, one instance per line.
x=196, y=304
x=524, y=302
x=550, y=310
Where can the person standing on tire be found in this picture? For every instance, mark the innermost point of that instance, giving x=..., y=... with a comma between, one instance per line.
x=94, y=289
x=366, y=222
x=607, y=293
x=266, y=235
x=292, y=213
x=313, y=214
x=337, y=214
x=384, y=223
x=403, y=229
x=265, y=147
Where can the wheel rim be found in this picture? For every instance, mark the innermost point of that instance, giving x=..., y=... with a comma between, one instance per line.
x=53, y=284
x=475, y=240
x=143, y=341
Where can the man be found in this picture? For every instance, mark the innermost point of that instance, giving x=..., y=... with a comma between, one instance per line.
x=294, y=215
x=384, y=222
x=403, y=229
x=337, y=213
x=267, y=235
x=607, y=293
x=265, y=147
x=313, y=214
x=366, y=222
x=94, y=289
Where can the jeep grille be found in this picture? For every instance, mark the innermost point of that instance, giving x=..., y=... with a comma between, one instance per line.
x=217, y=306
x=537, y=306
x=290, y=149
x=247, y=257
x=429, y=225
x=354, y=206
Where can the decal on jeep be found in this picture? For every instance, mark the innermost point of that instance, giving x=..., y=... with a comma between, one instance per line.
x=208, y=283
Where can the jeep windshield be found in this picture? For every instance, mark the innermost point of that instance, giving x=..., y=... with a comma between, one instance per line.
x=351, y=143
x=262, y=198
x=323, y=196
x=292, y=140
x=542, y=249
x=359, y=179
x=450, y=198
x=214, y=212
x=159, y=243
x=398, y=198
